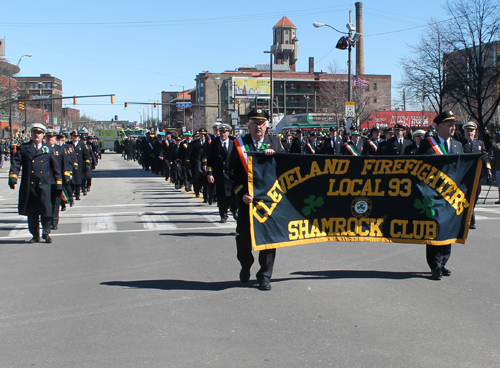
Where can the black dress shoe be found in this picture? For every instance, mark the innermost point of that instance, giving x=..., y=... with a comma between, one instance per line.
x=245, y=275
x=445, y=271
x=436, y=274
x=77, y=198
x=34, y=240
x=223, y=220
x=54, y=227
x=235, y=215
x=47, y=238
x=472, y=226
x=63, y=208
x=265, y=286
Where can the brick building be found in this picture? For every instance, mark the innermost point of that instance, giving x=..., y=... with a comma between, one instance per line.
x=38, y=90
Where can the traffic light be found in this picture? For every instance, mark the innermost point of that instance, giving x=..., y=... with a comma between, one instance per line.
x=20, y=105
x=126, y=105
x=239, y=103
x=154, y=105
x=74, y=100
x=112, y=99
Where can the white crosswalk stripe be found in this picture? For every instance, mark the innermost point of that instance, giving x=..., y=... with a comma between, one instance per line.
x=20, y=230
x=98, y=224
x=155, y=221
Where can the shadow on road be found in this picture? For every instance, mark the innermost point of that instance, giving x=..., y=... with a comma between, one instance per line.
x=223, y=285
x=363, y=274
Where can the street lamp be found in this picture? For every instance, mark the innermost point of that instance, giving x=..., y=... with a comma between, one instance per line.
x=27, y=55
x=272, y=84
x=343, y=43
x=184, y=108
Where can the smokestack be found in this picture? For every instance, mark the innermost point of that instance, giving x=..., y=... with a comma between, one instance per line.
x=311, y=65
x=360, y=49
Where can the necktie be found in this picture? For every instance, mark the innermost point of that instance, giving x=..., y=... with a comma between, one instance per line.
x=225, y=146
x=259, y=144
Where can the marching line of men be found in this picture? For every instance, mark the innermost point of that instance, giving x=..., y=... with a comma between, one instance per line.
x=193, y=163
x=219, y=159
x=53, y=171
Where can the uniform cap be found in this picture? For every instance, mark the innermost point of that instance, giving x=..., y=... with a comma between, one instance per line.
x=258, y=114
x=225, y=127
x=355, y=132
x=203, y=131
x=444, y=116
x=39, y=127
x=51, y=133
x=419, y=133
x=399, y=127
x=470, y=125
x=215, y=125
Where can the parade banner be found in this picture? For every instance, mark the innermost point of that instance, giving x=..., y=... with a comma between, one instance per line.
x=301, y=199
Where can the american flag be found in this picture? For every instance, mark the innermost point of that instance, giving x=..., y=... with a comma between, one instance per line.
x=360, y=82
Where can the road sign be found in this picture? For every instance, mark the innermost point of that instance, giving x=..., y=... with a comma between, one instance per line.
x=234, y=115
x=350, y=109
x=183, y=104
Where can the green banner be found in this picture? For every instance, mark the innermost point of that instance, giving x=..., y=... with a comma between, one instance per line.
x=301, y=199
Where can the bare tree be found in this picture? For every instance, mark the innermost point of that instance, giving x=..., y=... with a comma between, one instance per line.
x=473, y=73
x=334, y=94
x=424, y=72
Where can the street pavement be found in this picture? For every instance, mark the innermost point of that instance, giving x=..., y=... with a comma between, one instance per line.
x=140, y=274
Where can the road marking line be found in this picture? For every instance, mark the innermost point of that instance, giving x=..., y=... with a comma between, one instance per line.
x=154, y=221
x=98, y=224
x=20, y=230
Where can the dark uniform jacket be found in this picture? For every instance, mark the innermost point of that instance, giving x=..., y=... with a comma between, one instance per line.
x=238, y=173
x=39, y=171
x=218, y=165
x=333, y=146
x=82, y=160
x=298, y=146
x=392, y=147
x=477, y=146
x=368, y=149
x=358, y=147
x=426, y=147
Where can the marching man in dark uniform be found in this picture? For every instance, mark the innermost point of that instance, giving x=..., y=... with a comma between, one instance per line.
x=218, y=172
x=473, y=145
x=354, y=145
x=370, y=147
x=333, y=144
x=298, y=143
x=255, y=140
x=81, y=164
x=438, y=255
x=417, y=139
x=64, y=165
x=39, y=171
x=397, y=144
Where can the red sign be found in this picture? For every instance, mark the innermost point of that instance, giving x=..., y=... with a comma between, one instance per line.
x=411, y=119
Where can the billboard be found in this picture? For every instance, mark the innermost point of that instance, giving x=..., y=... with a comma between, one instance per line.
x=252, y=87
x=411, y=119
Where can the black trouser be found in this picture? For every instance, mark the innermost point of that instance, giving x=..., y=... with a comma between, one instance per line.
x=244, y=247
x=437, y=255
x=56, y=204
x=226, y=203
x=34, y=225
x=77, y=188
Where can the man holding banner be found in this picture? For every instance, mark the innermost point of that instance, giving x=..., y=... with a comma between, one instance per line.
x=442, y=144
x=255, y=140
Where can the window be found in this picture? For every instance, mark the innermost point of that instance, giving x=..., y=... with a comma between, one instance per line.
x=32, y=85
x=293, y=85
x=374, y=85
x=286, y=56
x=375, y=100
x=309, y=85
x=286, y=32
x=298, y=86
x=49, y=85
x=279, y=32
x=286, y=42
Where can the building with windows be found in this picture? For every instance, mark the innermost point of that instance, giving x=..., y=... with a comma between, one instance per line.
x=228, y=96
x=38, y=92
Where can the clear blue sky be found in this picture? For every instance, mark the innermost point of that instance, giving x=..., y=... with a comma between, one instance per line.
x=136, y=49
